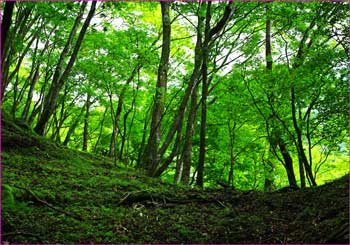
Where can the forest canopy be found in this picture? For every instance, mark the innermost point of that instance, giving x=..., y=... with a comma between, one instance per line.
x=251, y=95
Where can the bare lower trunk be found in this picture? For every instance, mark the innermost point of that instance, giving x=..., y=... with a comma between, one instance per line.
x=187, y=148
x=151, y=158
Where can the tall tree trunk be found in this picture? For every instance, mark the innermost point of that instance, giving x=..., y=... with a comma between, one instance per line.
x=187, y=148
x=59, y=78
x=231, y=130
x=295, y=123
x=6, y=23
x=202, y=144
x=151, y=157
x=20, y=30
x=192, y=85
x=5, y=27
x=269, y=62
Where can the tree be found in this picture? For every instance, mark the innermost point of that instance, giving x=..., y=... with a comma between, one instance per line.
x=151, y=154
x=59, y=78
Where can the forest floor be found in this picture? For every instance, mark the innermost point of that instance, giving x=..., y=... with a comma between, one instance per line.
x=55, y=195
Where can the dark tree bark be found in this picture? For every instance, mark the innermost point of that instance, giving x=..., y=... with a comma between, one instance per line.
x=187, y=148
x=59, y=78
x=231, y=129
x=288, y=163
x=204, y=71
x=268, y=52
x=36, y=75
x=86, y=122
x=210, y=34
x=269, y=62
x=6, y=23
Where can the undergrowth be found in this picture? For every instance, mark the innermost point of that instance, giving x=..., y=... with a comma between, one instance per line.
x=51, y=194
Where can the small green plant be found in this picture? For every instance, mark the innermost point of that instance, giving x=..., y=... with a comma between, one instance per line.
x=8, y=196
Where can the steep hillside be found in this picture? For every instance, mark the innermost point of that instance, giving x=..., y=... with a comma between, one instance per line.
x=55, y=195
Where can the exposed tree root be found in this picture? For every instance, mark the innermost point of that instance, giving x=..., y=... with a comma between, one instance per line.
x=48, y=204
x=153, y=199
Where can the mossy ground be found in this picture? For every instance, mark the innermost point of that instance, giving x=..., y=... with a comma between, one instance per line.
x=97, y=202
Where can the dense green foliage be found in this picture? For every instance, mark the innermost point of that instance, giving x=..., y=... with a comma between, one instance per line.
x=224, y=106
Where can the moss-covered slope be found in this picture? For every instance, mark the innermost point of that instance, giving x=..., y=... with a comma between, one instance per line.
x=55, y=195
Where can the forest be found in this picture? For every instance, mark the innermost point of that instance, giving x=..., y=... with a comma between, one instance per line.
x=175, y=122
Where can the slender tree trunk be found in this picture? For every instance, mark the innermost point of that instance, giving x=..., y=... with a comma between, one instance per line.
x=116, y=117
x=179, y=116
x=100, y=130
x=231, y=130
x=55, y=127
x=21, y=29
x=131, y=124
x=37, y=109
x=5, y=27
x=151, y=157
x=86, y=122
x=202, y=143
x=187, y=148
x=35, y=77
x=269, y=62
x=15, y=91
x=140, y=164
x=178, y=171
x=21, y=57
x=124, y=134
x=58, y=79
x=73, y=126
x=6, y=23
x=301, y=168
x=300, y=148
x=30, y=93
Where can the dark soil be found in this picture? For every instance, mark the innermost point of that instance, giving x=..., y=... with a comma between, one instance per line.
x=55, y=195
